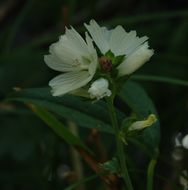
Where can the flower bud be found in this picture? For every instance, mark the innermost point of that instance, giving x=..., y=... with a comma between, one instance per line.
x=99, y=89
x=135, y=60
x=138, y=125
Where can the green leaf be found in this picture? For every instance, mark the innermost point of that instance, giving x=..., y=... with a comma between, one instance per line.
x=148, y=17
x=17, y=23
x=57, y=126
x=111, y=165
x=162, y=79
x=137, y=99
x=87, y=179
x=84, y=113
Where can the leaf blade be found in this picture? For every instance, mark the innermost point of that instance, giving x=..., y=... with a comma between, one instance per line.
x=137, y=99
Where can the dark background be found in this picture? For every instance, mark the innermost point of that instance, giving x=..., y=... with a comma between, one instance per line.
x=30, y=153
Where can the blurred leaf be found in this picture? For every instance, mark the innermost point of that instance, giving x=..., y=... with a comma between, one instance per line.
x=84, y=113
x=43, y=39
x=57, y=126
x=86, y=179
x=137, y=99
x=179, y=36
x=111, y=165
x=22, y=68
x=148, y=17
x=17, y=22
x=167, y=80
x=19, y=137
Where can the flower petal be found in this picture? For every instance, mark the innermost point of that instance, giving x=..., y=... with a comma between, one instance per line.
x=89, y=42
x=128, y=42
x=67, y=82
x=185, y=141
x=76, y=42
x=135, y=60
x=138, y=125
x=66, y=54
x=55, y=63
x=99, y=35
x=118, y=34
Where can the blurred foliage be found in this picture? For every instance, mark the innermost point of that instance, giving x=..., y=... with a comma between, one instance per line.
x=31, y=155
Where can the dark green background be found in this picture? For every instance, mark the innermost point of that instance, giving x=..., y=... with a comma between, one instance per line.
x=30, y=153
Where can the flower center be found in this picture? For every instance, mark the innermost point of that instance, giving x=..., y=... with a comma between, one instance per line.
x=105, y=63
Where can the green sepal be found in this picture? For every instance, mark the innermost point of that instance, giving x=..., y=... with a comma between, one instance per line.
x=116, y=60
x=109, y=54
x=112, y=166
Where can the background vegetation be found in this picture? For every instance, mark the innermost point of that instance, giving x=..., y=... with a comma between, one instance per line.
x=31, y=156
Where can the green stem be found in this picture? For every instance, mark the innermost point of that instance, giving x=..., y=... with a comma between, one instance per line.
x=120, y=145
x=150, y=174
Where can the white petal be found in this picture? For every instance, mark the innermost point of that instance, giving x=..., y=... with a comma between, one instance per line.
x=99, y=35
x=116, y=38
x=67, y=82
x=67, y=53
x=129, y=43
x=64, y=51
x=185, y=142
x=70, y=46
x=134, y=44
x=76, y=41
x=55, y=63
x=89, y=42
x=135, y=60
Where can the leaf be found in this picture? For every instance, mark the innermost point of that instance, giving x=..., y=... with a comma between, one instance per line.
x=147, y=17
x=57, y=126
x=168, y=80
x=137, y=99
x=111, y=165
x=16, y=25
x=84, y=113
x=87, y=179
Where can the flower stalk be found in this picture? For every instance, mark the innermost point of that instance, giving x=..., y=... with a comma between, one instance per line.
x=150, y=174
x=119, y=144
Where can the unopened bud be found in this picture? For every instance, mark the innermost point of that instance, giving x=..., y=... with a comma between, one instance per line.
x=99, y=89
x=138, y=125
x=105, y=63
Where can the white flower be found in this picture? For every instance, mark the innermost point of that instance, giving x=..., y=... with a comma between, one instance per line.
x=138, y=125
x=99, y=89
x=74, y=57
x=177, y=140
x=120, y=42
x=183, y=180
x=185, y=141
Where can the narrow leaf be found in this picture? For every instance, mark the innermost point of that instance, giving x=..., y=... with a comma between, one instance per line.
x=84, y=113
x=57, y=126
x=162, y=79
